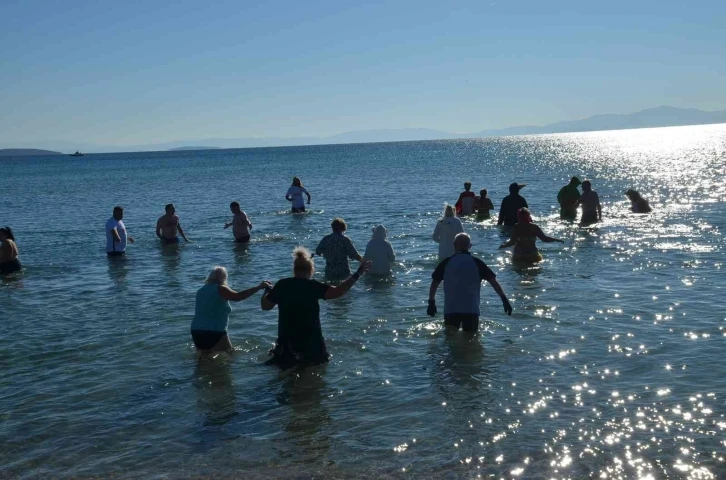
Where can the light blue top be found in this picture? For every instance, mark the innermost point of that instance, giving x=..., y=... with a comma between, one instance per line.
x=212, y=311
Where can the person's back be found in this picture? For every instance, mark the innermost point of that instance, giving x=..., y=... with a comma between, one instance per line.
x=510, y=206
x=467, y=203
x=380, y=252
x=446, y=229
x=567, y=197
x=462, y=283
x=526, y=235
x=336, y=248
x=211, y=311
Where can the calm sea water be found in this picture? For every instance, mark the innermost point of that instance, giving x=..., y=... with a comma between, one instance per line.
x=612, y=365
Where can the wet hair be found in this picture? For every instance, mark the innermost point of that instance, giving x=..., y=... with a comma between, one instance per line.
x=218, y=275
x=483, y=193
x=169, y=206
x=296, y=182
x=8, y=233
x=303, y=261
x=118, y=208
x=449, y=211
x=586, y=185
x=632, y=195
x=339, y=225
x=523, y=215
x=234, y=204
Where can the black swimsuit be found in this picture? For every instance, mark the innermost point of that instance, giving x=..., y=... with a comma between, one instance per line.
x=11, y=266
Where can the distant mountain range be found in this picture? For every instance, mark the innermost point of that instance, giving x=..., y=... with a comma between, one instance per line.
x=25, y=152
x=649, y=118
x=180, y=149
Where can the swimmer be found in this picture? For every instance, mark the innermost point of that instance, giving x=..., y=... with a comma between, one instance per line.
x=637, y=203
x=9, y=262
x=299, y=336
x=380, y=252
x=465, y=203
x=445, y=231
x=336, y=248
x=168, y=226
x=295, y=195
x=524, y=236
x=511, y=205
x=483, y=205
x=462, y=275
x=590, y=202
x=116, y=237
x=567, y=197
x=211, y=313
x=240, y=224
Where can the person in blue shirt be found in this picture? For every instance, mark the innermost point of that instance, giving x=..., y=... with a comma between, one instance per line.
x=462, y=275
x=211, y=313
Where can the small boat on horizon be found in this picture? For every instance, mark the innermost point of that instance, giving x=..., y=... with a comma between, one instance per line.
x=77, y=154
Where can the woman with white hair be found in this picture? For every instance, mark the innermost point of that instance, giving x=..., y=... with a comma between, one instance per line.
x=211, y=314
x=299, y=336
x=446, y=229
x=380, y=252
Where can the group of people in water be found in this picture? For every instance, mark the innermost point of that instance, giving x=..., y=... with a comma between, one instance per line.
x=299, y=338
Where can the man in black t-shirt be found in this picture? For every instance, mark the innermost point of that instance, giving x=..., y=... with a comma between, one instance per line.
x=511, y=205
x=299, y=335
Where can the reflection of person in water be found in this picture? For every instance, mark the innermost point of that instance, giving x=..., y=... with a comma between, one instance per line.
x=459, y=371
x=215, y=391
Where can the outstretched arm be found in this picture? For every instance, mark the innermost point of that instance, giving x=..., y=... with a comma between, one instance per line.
x=182, y=233
x=512, y=240
x=342, y=289
x=308, y=194
x=229, y=294
x=541, y=235
x=498, y=288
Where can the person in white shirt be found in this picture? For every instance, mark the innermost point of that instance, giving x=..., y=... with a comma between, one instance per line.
x=240, y=224
x=380, y=252
x=295, y=195
x=446, y=229
x=116, y=237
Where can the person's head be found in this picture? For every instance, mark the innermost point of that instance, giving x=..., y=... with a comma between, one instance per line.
x=302, y=264
x=379, y=233
x=118, y=212
x=586, y=186
x=234, y=206
x=574, y=181
x=523, y=215
x=218, y=276
x=296, y=182
x=632, y=195
x=462, y=242
x=467, y=186
x=338, y=225
x=483, y=193
x=6, y=233
x=170, y=209
x=515, y=188
x=449, y=211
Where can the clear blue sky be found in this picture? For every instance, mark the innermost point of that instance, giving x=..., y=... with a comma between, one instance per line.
x=131, y=72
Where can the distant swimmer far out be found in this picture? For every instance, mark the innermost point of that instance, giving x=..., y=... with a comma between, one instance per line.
x=168, y=226
x=380, y=252
x=465, y=203
x=511, y=205
x=336, y=248
x=637, y=203
x=295, y=195
x=483, y=206
x=524, y=235
x=567, y=197
x=299, y=334
x=116, y=237
x=9, y=262
x=212, y=309
x=590, y=203
x=240, y=224
x=445, y=231
x=462, y=275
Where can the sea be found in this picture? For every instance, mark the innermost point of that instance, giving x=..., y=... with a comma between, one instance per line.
x=610, y=367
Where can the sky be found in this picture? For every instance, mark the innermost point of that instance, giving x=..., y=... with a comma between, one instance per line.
x=132, y=72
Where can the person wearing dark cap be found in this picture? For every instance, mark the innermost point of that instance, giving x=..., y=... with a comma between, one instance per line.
x=568, y=197
x=511, y=205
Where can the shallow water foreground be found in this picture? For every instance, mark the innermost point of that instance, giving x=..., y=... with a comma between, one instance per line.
x=611, y=365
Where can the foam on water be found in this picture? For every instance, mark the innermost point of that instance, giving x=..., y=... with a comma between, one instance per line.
x=610, y=366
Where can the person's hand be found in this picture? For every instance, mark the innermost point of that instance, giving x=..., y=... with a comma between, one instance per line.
x=560, y=240
x=250, y=226
x=265, y=285
x=503, y=245
x=130, y=239
x=507, y=306
x=364, y=266
x=431, y=311
x=308, y=202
